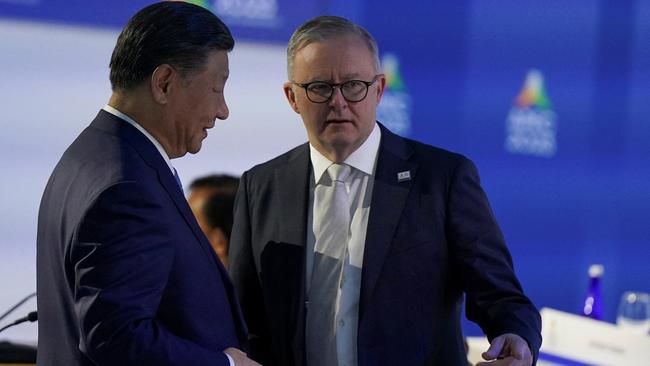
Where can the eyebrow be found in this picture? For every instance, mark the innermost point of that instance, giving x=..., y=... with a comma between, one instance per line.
x=346, y=77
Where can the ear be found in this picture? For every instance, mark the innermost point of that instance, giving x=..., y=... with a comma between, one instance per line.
x=291, y=96
x=381, y=85
x=161, y=82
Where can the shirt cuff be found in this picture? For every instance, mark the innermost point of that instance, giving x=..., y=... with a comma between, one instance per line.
x=230, y=360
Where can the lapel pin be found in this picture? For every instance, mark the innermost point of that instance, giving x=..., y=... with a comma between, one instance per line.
x=402, y=176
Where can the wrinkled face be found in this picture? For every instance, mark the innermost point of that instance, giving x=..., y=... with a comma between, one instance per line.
x=197, y=102
x=337, y=127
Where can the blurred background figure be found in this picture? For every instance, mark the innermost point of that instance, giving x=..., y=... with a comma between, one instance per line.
x=212, y=198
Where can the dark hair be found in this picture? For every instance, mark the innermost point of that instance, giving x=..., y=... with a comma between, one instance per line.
x=174, y=33
x=217, y=182
x=218, y=211
x=218, y=208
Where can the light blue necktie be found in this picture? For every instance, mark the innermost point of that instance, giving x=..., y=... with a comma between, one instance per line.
x=178, y=179
x=331, y=230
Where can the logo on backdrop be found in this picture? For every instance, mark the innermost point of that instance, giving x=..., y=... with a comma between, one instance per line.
x=395, y=109
x=256, y=13
x=531, y=126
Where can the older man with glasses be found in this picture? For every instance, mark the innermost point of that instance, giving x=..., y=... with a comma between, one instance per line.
x=358, y=247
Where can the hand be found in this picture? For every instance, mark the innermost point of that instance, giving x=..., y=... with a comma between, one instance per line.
x=240, y=358
x=508, y=349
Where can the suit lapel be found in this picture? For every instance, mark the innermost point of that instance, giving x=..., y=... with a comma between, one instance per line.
x=388, y=199
x=116, y=126
x=292, y=185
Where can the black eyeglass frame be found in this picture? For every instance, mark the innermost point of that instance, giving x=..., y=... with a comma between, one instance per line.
x=339, y=85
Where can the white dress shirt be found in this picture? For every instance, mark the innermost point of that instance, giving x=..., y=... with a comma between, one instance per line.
x=359, y=186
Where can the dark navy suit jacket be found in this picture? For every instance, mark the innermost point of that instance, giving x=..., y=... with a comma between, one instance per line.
x=124, y=274
x=430, y=239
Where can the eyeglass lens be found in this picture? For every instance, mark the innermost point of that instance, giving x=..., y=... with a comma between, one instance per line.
x=352, y=90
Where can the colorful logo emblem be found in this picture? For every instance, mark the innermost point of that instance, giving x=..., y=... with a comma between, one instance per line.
x=395, y=108
x=531, y=125
x=203, y=3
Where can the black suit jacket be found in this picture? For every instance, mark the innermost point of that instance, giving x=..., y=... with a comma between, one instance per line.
x=430, y=239
x=124, y=274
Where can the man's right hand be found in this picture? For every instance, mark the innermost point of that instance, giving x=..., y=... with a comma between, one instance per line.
x=240, y=358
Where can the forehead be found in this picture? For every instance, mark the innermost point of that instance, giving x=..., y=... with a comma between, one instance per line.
x=340, y=57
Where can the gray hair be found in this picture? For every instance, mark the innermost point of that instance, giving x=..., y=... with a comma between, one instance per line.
x=323, y=28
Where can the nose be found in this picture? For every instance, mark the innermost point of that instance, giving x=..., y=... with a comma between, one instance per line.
x=337, y=101
x=222, y=110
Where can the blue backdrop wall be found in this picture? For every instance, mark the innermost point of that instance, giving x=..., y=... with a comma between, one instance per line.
x=550, y=98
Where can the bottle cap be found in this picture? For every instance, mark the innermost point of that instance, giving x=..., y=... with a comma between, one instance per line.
x=596, y=270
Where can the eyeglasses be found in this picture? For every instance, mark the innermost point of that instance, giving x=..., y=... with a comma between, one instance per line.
x=352, y=90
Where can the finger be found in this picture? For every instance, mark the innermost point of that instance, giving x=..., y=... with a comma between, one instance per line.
x=507, y=361
x=495, y=349
x=520, y=350
x=501, y=362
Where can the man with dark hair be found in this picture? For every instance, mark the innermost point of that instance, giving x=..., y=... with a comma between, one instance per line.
x=124, y=274
x=357, y=248
x=212, y=199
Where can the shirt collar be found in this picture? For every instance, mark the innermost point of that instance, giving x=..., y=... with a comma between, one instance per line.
x=135, y=124
x=364, y=158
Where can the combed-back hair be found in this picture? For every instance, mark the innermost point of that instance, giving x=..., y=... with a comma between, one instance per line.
x=171, y=32
x=323, y=28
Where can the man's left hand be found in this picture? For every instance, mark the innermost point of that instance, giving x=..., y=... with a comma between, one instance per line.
x=507, y=349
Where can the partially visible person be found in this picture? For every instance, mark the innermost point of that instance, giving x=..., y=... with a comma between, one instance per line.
x=124, y=274
x=212, y=199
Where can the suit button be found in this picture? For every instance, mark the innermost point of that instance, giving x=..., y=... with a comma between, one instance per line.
x=341, y=323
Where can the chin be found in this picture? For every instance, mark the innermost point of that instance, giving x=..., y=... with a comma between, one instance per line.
x=194, y=149
x=194, y=146
x=342, y=138
x=341, y=143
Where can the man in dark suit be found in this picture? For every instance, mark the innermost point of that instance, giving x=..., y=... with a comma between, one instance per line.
x=357, y=247
x=125, y=275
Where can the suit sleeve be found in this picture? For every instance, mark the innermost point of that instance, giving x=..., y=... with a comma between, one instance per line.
x=494, y=297
x=122, y=256
x=244, y=274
